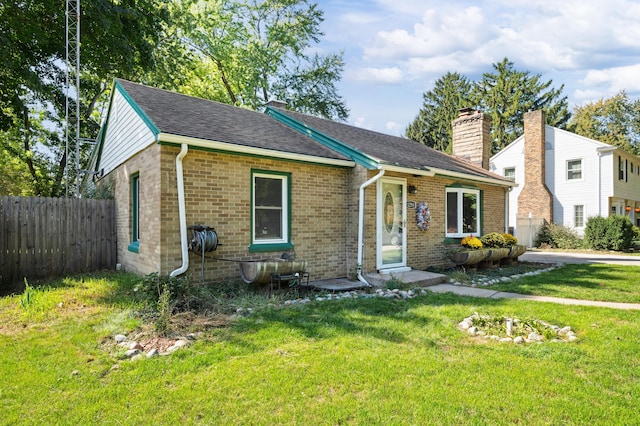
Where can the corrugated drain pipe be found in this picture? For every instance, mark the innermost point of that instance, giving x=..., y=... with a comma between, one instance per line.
x=182, y=213
x=361, y=225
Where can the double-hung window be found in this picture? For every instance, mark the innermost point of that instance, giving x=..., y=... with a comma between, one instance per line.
x=463, y=212
x=510, y=173
x=135, y=213
x=574, y=170
x=270, y=211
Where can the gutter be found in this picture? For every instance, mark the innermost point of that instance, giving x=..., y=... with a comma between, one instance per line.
x=169, y=138
x=182, y=213
x=361, y=225
x=469, y=177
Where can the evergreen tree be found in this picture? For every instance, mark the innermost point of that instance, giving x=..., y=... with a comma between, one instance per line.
x=506, y=94
x=432, y=125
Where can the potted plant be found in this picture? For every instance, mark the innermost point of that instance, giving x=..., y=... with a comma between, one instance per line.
x=471, y=252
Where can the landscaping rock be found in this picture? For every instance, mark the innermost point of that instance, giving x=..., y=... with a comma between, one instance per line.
x=120, y=338
x=131, y=352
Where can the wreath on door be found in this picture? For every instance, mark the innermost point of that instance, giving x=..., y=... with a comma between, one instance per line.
x=423, y=216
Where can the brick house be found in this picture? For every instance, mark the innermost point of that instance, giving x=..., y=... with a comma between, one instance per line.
x=565, y=178
x=279, y=181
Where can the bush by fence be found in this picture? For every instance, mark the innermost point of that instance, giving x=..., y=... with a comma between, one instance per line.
x=41, y=237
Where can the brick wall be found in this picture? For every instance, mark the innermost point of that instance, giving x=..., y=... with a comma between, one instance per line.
x=147, y=164
x=472, y=137
x=535, y=197
x=324, y=209
x=217, y=194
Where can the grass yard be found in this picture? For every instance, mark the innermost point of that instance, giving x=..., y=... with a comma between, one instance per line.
x=359, y=361
x=608, y=283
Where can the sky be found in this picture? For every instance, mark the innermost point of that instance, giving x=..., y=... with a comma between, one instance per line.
x=395, y=50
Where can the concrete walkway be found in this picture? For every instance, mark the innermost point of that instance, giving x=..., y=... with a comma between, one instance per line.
x=492, y=294
x=561, y=257
x=552, y=257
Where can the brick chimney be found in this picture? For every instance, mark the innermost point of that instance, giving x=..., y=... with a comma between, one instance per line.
x=535, y=197
x=472, y=137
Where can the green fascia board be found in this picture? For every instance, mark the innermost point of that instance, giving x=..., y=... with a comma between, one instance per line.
x=150, y=124
x=103, y=130
x=463, y=185
x=331, y=143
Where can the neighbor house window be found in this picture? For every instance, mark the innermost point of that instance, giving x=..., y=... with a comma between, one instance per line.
x=622, y=169
x=578, y=216
x=574, y=169
x=135, y=213
x=463, y=212
x=510, y=173
x=270, y=196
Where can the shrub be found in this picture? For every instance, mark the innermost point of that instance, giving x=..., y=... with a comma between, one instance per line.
x=558, y=236
x=619, y=232
x=509, y=240
x=595, y=233
x=183, y=295
x=471, y=242
x=493, y=240
x=613, y=233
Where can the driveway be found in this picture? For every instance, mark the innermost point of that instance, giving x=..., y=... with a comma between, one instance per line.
x=557, y=257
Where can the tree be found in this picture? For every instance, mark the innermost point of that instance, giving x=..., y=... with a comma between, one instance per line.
x=432, y=125
x=615, y=120
x=118, y=38
x=506, y=94
x=259, y=51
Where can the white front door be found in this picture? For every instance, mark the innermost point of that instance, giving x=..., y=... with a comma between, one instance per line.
x=392, y=253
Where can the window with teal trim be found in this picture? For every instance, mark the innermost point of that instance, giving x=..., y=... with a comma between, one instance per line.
x=270, y=211
x=135, y=213
x=463, y=212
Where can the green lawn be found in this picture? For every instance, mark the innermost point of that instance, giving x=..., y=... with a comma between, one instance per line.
x=362, y=361
x=609, y=283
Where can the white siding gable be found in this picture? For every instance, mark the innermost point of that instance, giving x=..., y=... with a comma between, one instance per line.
x=511, y=157
x=591, y=190
x=126, y=134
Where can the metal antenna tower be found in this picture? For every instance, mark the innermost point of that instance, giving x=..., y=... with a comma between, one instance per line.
x=72, y=139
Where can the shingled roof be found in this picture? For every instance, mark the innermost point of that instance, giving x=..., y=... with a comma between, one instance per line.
x=188, y=116
x=388, y=149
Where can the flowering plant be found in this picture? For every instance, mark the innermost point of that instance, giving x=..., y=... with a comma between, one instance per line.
x=509, y=240
x=493, y=240
x=471, y=242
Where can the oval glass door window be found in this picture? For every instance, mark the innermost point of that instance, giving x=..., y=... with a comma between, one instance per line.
x=389, y=213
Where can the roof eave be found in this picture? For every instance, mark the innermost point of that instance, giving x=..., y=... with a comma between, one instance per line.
x=472, y=178
x=328, y=141
x=249, y=150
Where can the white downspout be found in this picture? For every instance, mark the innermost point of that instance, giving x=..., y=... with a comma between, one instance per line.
x=361, y=225
x=507, y=193
x=182, y=213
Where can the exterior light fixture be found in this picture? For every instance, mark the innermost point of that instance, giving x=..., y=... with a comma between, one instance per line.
x=412, y=189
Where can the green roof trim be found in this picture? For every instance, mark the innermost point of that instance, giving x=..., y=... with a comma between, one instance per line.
x=150, y=124
x=332, y=143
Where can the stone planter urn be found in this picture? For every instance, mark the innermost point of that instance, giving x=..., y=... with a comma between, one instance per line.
x=469, y=257
x=497, y=254
x=516, y=250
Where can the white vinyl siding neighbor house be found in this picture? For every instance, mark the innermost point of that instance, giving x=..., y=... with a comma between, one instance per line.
x=585, y=177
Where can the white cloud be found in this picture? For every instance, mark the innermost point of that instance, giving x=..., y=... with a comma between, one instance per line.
x=393, y=127
x=375, y=75
x=612, y=80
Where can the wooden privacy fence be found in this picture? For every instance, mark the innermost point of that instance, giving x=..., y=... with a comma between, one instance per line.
x=41, y=237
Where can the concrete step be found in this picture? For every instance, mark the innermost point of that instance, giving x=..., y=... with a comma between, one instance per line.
x=413, y=277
